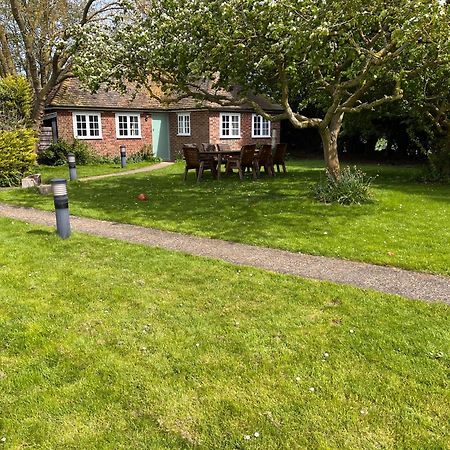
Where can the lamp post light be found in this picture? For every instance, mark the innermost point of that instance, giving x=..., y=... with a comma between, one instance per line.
x=123, y=156
x=61, y=201
x=72, y=166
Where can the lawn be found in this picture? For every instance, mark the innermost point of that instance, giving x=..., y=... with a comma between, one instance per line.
x=49, y=172
x=110, y=345
x=407, y=226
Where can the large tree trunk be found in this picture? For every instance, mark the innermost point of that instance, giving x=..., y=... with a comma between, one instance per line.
x=37, y=114
x=329, y=135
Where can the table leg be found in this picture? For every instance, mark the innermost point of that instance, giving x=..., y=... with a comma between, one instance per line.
x=219, y=163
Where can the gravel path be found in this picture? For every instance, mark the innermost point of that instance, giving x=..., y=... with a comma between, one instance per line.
x=414, y=285
x=151, y=168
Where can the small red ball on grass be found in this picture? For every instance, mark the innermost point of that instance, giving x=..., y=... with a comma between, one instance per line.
x=142, y=197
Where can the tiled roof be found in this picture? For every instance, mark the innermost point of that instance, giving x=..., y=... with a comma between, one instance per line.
x=71, y=94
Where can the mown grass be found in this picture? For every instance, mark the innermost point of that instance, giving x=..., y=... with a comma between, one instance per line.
x=49, y=172
x=407, y=226
x=111, y=345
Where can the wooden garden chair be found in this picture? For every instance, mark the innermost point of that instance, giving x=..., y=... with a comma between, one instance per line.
x=223, y=147
x=209, y=147
x=265, y=160
x=245, y=160
x=193, y=161
x=279, y=157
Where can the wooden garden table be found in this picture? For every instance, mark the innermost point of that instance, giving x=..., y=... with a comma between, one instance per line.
x=219, y=154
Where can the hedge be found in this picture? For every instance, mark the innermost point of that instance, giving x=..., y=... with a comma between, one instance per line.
x=17, y=155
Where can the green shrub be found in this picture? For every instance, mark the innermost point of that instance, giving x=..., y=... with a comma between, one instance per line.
x=438, y=169
x=56, y=154
x=17, y=155
x=353, y=187
x=145, y=153
x=15, y=102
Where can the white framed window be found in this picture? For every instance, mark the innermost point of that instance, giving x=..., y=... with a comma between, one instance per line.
x=184, y=124
x=128, y=125
x=230, y=125
x=87, y=125
x=260, y=127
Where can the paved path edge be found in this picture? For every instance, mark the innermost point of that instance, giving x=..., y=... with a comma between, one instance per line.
x=392, y=280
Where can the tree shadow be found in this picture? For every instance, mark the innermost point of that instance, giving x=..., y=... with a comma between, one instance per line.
x=41, y=232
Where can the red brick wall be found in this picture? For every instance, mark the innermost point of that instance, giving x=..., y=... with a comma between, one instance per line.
x=199, y=132
x=204, y=128
x=246, y=131
x=109, y=144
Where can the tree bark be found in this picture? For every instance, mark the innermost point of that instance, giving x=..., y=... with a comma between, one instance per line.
x=37, y=113
x=329, y=134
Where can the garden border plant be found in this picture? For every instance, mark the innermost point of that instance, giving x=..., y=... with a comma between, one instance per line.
x=352, y=187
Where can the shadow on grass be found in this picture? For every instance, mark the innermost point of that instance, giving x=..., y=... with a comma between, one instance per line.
x=277, y=212
x=41, y=232
x=265, y=209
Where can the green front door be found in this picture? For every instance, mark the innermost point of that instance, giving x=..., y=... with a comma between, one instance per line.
x=160, y=136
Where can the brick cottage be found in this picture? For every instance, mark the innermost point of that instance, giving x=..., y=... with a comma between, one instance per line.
x=108, y=119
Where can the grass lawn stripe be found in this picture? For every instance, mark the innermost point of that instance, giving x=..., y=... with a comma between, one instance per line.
x=407, y=226
x=111, y=345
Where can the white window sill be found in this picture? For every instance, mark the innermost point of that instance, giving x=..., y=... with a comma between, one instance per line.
x=179, y=134
x=128, y=137
x=260, y=137
x=89, y=138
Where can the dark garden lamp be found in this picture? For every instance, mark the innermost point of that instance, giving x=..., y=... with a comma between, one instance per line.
x=61, y=201
x=72, y=166
x=123, y=156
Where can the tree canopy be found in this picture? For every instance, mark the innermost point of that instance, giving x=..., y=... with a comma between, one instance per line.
x=344, y=56
x=37, y=39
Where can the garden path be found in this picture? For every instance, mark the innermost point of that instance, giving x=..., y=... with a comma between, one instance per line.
x=414, y=285
x=151, y=168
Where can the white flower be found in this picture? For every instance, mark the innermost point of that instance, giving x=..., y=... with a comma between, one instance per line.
x=247, y=437
x=197, y=344
x=256, y=434
x=326, y=355
x=364, y=412
x=297, y=378
x=311, y=389
x=3, y=439
x=352, y=331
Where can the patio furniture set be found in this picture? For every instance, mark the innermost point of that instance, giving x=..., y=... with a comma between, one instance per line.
x=248, y=158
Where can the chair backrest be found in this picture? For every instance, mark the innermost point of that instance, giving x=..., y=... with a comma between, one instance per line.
x=191, y=156
x=224, y=147
x=248, y=154
x=209, y=147
x=265, y=155
x=280, y=152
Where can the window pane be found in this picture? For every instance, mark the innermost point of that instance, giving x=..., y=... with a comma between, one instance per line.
x=225, y=125
x=256, y=125
x=265, y=127
x=134, y=125
x=123, y=126
x=235, y=125
x=94, y=126
x=81, y=125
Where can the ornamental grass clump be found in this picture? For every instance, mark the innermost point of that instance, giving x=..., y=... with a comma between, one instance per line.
x=352, y=187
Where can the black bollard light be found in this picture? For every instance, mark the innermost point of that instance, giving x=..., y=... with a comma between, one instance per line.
x=123, y=156
x=72, y=166
x=61, y=201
